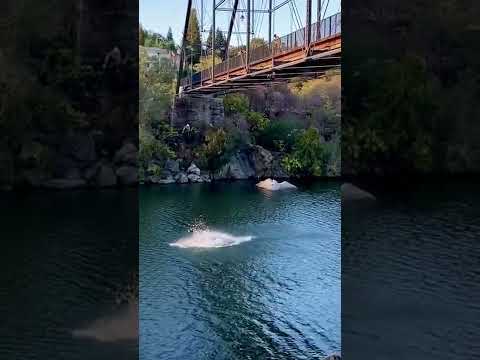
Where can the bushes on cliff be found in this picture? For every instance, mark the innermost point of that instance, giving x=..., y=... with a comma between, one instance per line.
x=236, y=103
x=278, y=135
x=257, y=122
x=152, y=148
x=309, y=156
x=214, y=152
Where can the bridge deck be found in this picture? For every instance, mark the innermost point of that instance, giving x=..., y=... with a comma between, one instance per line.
x=284, y=60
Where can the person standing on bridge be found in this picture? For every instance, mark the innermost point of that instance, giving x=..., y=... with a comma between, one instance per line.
x=276, y=43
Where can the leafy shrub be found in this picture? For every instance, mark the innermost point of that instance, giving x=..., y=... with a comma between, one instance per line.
x=309, y=156
x=214, y=153
x=235, y=103
x=278, y=136
x=152, y=148
x=257, y=121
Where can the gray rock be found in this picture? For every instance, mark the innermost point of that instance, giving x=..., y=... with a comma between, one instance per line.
x=90, y=173
x=66, y=167
x=195, y=178
x=34, y=177
x=173, y=166
x=127, y=175
x=333, y=357
x=262, y=161
x=193, y=169
x=159, y=180
x=181, y=178
x=80, y=147
x=31, y=153
x=206, y=178
x=63, y=184
x=239, y=167
x=105, y=176
x=126, y=155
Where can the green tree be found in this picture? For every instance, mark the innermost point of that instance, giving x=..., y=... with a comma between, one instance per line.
x=309, y=157
x=169, y=40
x=215, y=149
x=257, y=42
x=220, y=43
x=206, y=62
x=194, y=42
x=141, y=36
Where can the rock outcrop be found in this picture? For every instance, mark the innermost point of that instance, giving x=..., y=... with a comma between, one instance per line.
x=273, y=185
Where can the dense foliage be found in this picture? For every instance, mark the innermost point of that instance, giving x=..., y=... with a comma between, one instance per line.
x=309, y=156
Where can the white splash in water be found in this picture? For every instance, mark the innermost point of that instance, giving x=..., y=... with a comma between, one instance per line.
x=119, y=325
x=210, y=239
x=122, y=326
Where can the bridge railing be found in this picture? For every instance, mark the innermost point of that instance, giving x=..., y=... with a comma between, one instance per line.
x=329, y=26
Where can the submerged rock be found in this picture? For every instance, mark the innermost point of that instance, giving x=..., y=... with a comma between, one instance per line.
x=273, y=185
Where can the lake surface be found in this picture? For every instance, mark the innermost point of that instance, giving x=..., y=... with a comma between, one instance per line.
x=67, y=285
x=411, y=273
x=267, y=288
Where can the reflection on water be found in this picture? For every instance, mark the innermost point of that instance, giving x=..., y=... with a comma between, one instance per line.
x=274, y=297
x=66, y=281
x=410, y=274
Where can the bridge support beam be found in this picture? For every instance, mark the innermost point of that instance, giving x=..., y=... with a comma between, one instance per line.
x=230, y=27
x=319, y=18
x=248, y=34
x=183, y=49
x=308, y=26
x=270, y=14
x=213, y=40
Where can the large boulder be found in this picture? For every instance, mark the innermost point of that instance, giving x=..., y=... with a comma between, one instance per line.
x=65, y=167
x=273, y=185
x=181, y=178
x=127, y=175
x=105, y=176
x=262, y=161
x=126, y=155
x=173, y=166
x=160, y=180
x=195, y=178
x=32, y=154
x=239, y=167
x=193, y=169
x=79, y=147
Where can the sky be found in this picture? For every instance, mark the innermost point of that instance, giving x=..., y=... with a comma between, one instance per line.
x=159, y=15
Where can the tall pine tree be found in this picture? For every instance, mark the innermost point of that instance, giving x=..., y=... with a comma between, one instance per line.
x=194, y=43
x=220, y=43
x=170, y=43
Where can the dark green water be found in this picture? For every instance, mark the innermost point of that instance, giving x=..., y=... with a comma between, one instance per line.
x=410, y=273
x=276, y=296
x=68, y=260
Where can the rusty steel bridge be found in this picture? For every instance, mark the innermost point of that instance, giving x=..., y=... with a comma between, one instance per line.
x=306, y=53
